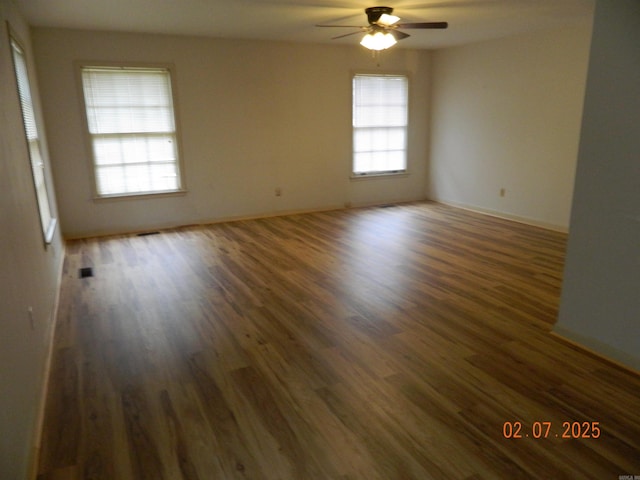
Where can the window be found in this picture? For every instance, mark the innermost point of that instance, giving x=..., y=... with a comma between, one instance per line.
x=132, y=128
x=48, y=223
x=379, y=124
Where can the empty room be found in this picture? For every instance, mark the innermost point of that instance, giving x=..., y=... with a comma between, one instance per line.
x=268, y=239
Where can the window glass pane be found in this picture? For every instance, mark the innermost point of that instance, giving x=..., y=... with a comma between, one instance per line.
x=116, y=179
x=131, y=121
x=380, y=116
x=133, y=149
x=380, y=112
x=372, y=139
x=387, y=161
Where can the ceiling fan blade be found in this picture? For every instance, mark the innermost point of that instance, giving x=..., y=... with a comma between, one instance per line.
x=345, y=35
x=398, y=35
x=423, y=25
x=343, y=26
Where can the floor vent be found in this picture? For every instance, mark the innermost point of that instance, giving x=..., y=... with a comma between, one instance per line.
x=86, y=272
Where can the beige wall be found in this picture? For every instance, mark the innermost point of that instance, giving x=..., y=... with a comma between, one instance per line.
x=254, y=116
x=600, y=305
x=258, y=116
x=506, y=114
x=29, y=271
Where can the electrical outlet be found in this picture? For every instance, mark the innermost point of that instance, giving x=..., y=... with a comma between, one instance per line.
x=278, y=192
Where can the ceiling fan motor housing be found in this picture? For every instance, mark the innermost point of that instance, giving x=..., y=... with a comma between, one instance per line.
x=374, y=13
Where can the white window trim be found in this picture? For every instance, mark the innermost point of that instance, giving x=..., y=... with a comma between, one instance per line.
x=48, y=222
x=97, y=197
x=388, y=173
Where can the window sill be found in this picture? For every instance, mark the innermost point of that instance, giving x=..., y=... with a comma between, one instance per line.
x=371, y=176
x=51, y=229
x=139, y=196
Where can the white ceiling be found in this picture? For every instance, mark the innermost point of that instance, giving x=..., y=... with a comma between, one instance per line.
x=294, y=20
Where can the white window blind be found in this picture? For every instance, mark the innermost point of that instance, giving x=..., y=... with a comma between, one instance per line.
x=48, y=223
x=131, y=123
x=379, y=124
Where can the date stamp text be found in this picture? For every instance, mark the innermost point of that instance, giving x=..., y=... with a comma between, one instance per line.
x=549, y=430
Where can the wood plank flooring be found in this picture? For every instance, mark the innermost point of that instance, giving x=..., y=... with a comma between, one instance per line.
x=376, y=343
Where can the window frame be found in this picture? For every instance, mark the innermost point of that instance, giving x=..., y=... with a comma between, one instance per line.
x=48, y=220
x=381, y=173
x=170, y=68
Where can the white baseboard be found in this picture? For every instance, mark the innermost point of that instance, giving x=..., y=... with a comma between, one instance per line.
x=506, y=216
x=213, y=221
x=34, y=457
x=599, y=349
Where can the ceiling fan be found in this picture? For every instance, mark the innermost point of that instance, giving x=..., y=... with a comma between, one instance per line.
x=382, y=31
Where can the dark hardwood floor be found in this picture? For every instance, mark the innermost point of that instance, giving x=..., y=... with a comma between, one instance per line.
x=377, y=343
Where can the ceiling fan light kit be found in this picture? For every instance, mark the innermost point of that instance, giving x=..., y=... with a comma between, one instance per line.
x=382, y=31
x=378, y=41
x=388, y=19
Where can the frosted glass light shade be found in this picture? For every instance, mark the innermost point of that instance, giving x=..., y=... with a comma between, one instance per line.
x=387, y=19
x=378, y=41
